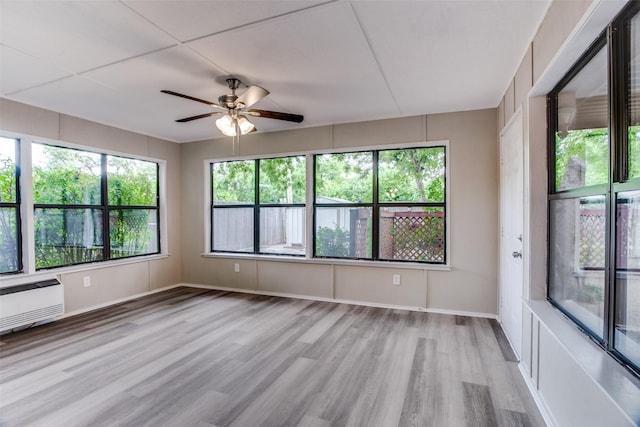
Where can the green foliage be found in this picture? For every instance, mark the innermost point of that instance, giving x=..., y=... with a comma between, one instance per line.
x=8, y=240
x=65, y=176
x=131, y=182
x=345, y=176
x=589, y=146
x=7, y=180
x=67, y=236
x=8, y=192
x=634, y=152
x=332, y=242
x=132, y=232
x=412, y=175
x=74, y=177
x=234, y=182
x=283, y=180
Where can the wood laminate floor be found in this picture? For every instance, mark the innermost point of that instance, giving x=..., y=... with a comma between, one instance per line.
x=193, y=357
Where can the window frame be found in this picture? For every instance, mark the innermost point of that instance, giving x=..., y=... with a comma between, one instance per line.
x=105, y=207
x=17, y=206
x=375, y=205
x=207, y=252
x=616, y=37
x=255, y=206
x=112, y=207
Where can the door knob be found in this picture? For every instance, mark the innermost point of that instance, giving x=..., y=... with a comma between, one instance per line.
x=516, y=254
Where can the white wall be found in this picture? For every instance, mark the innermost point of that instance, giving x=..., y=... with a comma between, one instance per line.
x=469, y=287
x=111, y=281
x=575, y=381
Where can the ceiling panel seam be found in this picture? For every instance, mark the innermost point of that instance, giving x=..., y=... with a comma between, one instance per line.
x=259, y=21
x=83, y=72
x=150, y=22
x=376, y=59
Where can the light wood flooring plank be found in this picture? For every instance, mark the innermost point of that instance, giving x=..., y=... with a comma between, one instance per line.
x=195, y=357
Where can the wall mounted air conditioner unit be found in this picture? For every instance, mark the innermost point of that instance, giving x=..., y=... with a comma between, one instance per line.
x=30, y=303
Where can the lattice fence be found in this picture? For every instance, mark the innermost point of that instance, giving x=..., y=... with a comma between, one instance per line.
x=413, y=236
x=359, y=222
x=593, y=226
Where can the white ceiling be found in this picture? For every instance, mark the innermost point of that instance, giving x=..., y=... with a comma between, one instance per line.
x=332, y=61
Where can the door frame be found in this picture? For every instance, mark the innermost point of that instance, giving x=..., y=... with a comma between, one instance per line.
x=517, y=121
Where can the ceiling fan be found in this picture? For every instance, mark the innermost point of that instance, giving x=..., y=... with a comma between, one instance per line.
x=232, y=107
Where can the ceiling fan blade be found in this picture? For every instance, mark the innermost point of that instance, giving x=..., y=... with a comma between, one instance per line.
x=199, y=116
x=252, y=95
x=191, y=98
x=276, y=115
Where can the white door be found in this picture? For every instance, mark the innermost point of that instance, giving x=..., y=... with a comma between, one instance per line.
x=511, y=229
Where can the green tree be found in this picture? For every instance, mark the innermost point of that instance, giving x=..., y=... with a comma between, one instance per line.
x=8, y=222
x=332, y=242
x=234, y=182
x=589, y=147
x=131, y=182
x=634, y=152
x=412, y=175
x=283, y=180
x=345, y=176
x=65, y=176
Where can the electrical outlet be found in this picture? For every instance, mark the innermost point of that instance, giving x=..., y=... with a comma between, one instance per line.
x=86, y=281
x=396, y=279
x=236, y=267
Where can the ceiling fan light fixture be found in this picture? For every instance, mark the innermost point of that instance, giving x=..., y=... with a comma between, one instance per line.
x=245, y=125
x=226, y=125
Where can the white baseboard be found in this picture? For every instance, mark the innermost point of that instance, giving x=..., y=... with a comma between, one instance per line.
x=341, y=301
x=275, y=294
x=117, y=301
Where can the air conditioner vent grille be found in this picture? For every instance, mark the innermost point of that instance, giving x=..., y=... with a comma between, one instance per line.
x=32, y=316
x=30, y=303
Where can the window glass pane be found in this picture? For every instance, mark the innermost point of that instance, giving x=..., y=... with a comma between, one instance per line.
x=412, y=234
x=133, y=232
x=8, y=240
x=582, y=154
x=411, y=175
x=283, y=180
x=67, y=236
x=634, y=100
x=282, y=230
x=344, y=178
x=343, y=232
x=627, y=326
x=132, y=182
x=233, y=229
x=7, y=170
x=577, y=258
x=233, y=182
x=65, y=176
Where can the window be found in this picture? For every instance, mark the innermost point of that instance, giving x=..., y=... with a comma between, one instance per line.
x=10, y=242
x=381, y=205
x=132, y=188
x=92, y=207
x=594, y=198
x=258, y=206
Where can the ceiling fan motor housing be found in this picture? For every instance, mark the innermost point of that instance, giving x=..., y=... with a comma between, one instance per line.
x=228, y=101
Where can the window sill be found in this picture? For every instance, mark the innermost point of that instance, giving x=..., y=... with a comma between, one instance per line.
x=327, y=261
x=603, y=369
x=22, y=278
